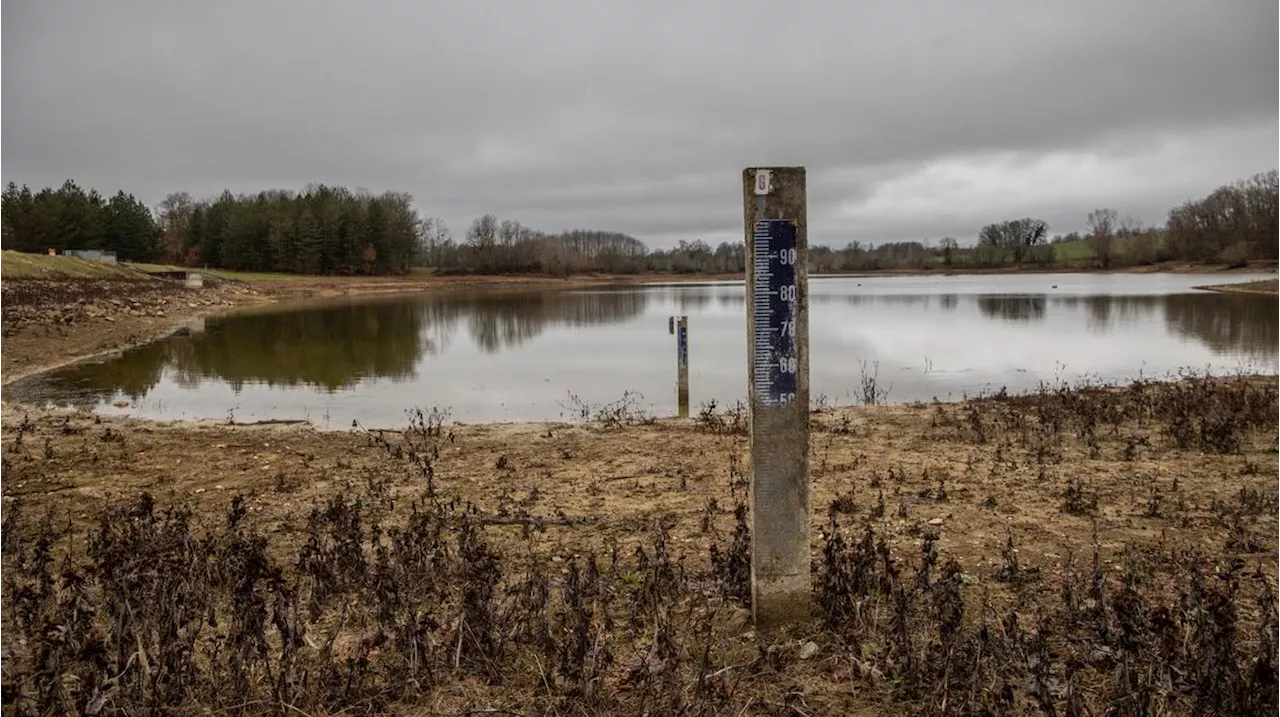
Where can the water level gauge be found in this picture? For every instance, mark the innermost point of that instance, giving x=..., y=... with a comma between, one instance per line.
x=774, y=313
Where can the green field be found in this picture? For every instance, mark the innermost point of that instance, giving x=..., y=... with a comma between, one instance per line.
x=1073, y=252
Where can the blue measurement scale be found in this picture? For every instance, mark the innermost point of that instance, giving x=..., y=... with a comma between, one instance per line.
x=774, y=313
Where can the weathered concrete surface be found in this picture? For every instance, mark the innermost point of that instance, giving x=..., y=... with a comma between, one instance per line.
x=780, y=491
x=682, y=366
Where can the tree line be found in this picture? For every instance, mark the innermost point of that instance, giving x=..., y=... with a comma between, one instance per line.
x=332, y=230
x=1233, y=225
x=494, y=246
x=71, y=218
x=322, y=230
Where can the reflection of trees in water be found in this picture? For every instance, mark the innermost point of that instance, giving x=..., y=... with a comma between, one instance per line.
x=1023, y=309
x=502, y=321
x=131, y=373
x=693, y=299
x=330, y=347
x=1227, y=324
x=913, y=301
x=1107, y=312
x=922, y=301
x=333, y=346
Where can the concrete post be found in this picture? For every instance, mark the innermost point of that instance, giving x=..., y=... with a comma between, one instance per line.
x=682, y=366
x=774, y=214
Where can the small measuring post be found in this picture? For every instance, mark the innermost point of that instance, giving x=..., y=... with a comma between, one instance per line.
x=679, y=325
x=774, y=212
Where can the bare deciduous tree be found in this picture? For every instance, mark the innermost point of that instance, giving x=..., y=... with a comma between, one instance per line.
x=1102, y=232
x=948, y=246
x=1015, y=235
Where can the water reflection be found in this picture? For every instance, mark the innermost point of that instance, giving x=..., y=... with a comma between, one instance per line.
x=332, y=347
x=1225, y=323
x=513, y=356
x=1013, y=308
x=1228, y=324
x=505, y=321
x=692, y=300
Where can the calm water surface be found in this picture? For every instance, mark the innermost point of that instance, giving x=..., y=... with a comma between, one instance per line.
x=502, y=357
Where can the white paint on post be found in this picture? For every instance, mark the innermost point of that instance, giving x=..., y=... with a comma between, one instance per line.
x=764, y=182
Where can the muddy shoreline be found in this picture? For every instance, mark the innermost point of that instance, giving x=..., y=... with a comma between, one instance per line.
x=1249, y=288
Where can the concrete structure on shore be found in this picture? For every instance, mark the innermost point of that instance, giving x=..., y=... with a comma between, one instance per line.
x=105, y=257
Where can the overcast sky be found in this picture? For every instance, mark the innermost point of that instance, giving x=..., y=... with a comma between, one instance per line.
x=915, y=119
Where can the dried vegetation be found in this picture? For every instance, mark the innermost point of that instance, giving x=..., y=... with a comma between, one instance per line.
x=400, y=594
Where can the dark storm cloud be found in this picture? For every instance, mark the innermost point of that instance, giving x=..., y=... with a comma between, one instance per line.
x=915, y=119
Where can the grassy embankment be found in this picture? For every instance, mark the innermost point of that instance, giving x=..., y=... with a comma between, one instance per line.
x=19, y=265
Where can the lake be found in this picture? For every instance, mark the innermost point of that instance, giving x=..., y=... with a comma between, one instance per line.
x=537, y=355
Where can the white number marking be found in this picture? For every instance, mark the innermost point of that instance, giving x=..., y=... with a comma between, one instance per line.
x=764, y=181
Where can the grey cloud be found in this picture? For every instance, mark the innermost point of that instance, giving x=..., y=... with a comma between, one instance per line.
x=635, y=117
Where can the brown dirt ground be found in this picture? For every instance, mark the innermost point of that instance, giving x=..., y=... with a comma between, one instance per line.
x=598, y=485
x=619, y=480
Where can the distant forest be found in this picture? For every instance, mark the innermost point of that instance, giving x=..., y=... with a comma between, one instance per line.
x=332, y=230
